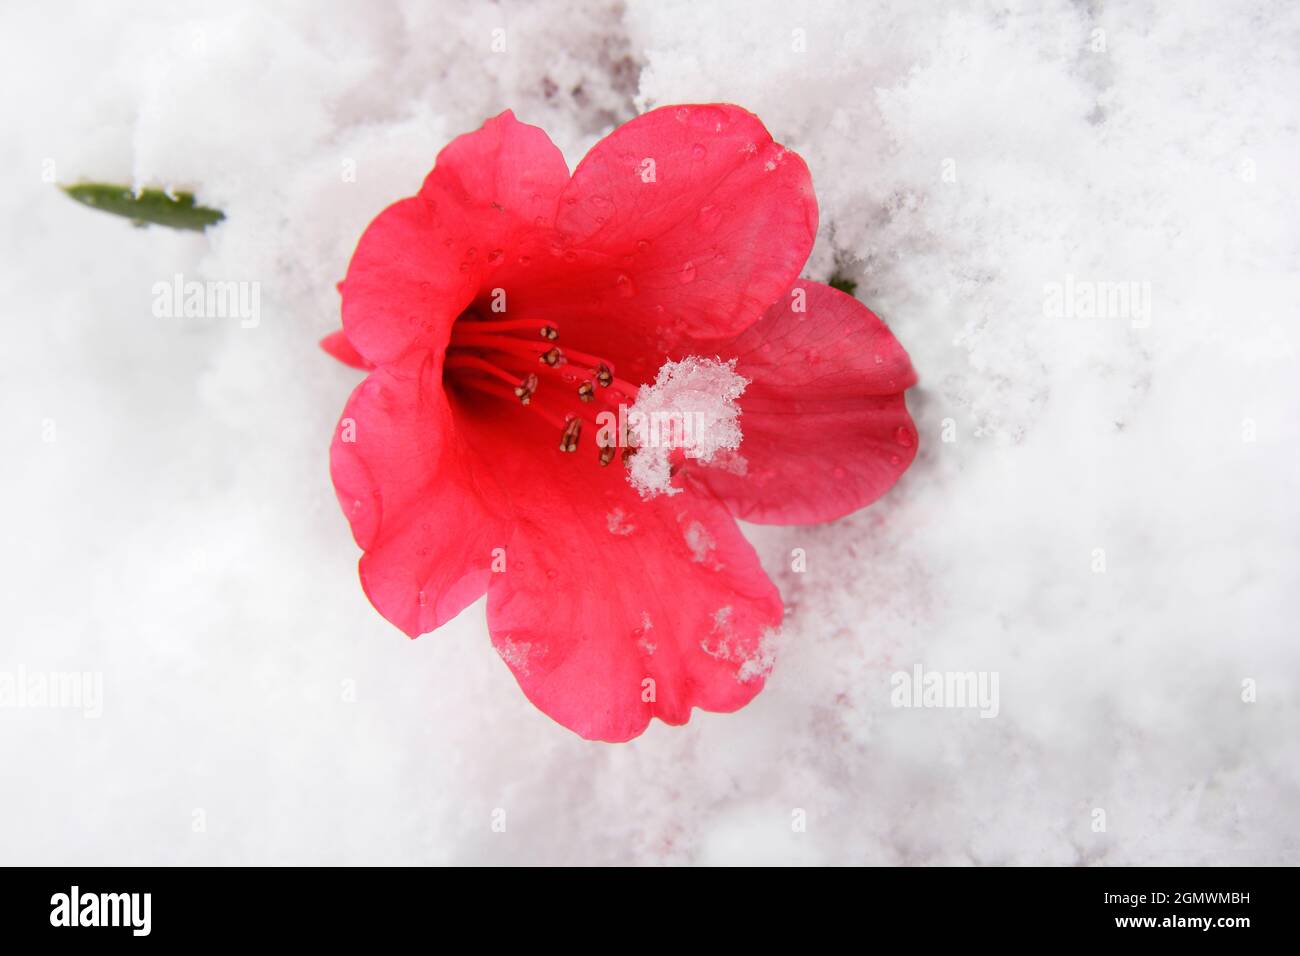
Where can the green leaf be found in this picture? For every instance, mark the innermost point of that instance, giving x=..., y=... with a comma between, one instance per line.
x=176, y=210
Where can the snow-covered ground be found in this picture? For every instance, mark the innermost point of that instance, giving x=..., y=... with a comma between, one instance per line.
x=1103, y=513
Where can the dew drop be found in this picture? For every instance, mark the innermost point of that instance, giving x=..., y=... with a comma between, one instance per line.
x=624, y=285
x=525, y=260
x=642, y=245
x=698, y=151
x=708, y=219
x=879, y=360
x=495, y=256
x=552, y=573
x=687, y=275
x=903, y=435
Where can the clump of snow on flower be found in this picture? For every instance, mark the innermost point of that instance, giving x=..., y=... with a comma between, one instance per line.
x=690, y=407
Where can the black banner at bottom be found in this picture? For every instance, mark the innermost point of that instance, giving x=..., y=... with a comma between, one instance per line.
x=1225, y=907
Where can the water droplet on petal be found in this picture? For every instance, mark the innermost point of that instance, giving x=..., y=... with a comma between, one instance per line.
x=708, y=218
x=624, y=285
x=903, y=435
x=552, y=573
x=642, y=245
x=878, y=359
x=698, y=151
x=495, y=256
x=687, y=275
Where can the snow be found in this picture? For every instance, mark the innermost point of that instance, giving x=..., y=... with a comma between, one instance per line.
x=1103, y=511
x=690, y=407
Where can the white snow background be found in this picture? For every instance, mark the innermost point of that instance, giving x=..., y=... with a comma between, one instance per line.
x=180, y=534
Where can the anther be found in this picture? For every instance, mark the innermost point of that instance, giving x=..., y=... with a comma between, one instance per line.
x=569, y=437
x=524, y=390
x=551, y=357
x=604, y=375
x=606, y=455
x=586, y=391
x=550, y=333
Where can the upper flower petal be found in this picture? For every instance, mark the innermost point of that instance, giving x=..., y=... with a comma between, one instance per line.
x=613, y=610
x=404, y=286
x=423, y=260
x=507, y=173
x=404, y=478
x=686, y=221
x=826, y=428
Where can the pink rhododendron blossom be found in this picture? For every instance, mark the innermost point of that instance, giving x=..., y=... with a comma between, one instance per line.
x=508, y=309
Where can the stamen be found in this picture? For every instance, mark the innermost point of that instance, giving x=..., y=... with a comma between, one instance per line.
x=548, y=330
x=495, y=343
x=455, y=361
x=499, y=358
x=569, y=437
x=524, y=390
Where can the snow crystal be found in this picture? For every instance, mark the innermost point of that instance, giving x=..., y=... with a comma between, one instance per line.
x=700, y=542
x=692, y=407
x=617, y=523
x=516, y=654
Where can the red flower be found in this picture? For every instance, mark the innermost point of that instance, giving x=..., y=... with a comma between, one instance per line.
x=680, y=234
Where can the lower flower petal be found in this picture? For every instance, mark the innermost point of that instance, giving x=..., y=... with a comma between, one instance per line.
x=826, y=428
x=613, y=610
x=405, y=481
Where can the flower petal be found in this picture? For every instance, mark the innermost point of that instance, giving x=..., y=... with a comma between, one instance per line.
x=686, y=221
x=604, y=592
x=826, y=428
x=337, y=345
x=507, y=173
x=406, y=483
x=404, y=286
x=424, y=259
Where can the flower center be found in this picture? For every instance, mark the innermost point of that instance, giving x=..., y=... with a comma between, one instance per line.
x=517, y=361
